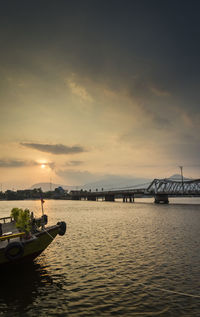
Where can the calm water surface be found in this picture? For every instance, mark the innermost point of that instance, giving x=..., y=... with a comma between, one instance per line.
x=116, y=259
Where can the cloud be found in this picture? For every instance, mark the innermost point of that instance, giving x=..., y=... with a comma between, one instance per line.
x=74, y=163
x=160, y=122
x=159, y=92
x=47, y=164
x=79, y=90
x=7, y=163
x=55, y=148
x=51, y=165
x=14, y=163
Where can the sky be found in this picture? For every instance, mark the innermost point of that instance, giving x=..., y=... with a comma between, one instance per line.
x=92, y=88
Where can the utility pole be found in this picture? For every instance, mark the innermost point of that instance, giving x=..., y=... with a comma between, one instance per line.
x=50, y=184
x=181, y=168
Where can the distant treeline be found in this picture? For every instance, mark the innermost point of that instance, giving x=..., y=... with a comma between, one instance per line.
x=36, y=193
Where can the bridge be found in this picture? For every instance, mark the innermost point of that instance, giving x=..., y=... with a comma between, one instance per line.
x=160, y=189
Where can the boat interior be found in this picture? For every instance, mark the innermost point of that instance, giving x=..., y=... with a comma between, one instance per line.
x=9, y=231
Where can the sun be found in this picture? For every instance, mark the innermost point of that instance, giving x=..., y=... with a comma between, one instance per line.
x=42, y=166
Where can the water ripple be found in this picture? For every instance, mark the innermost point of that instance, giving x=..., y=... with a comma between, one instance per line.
x=116, y=259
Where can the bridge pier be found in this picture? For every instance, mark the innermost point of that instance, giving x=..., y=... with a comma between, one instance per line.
x=128, y=198
x=91, y=198
x=76, y=198
x=161, y=198
x=109, y=198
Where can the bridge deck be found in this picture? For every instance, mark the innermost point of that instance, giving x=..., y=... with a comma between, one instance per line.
x=168, y=187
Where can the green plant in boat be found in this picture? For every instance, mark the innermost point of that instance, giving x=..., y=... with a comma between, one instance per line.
x=15, y=213
x=22, y=219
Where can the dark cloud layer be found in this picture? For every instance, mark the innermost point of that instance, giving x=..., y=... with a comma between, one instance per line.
x=113, y=41
x=149, y=48
x=74, y=163
x=7, y=163
x=14, y=163
x=54, y=148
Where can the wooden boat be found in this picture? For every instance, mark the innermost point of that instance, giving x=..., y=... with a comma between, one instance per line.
x=18, y=247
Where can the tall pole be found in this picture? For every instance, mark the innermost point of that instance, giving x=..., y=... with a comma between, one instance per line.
x=50, y=184
x=42, y=202
x=181, y=168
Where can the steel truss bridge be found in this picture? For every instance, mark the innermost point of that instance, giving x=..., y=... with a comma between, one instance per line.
x=175, y=188
x=160, y=189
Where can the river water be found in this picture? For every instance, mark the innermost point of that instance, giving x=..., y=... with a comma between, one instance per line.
x=116, y=259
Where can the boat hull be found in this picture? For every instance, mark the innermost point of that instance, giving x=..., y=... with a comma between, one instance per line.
x=31, y=247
